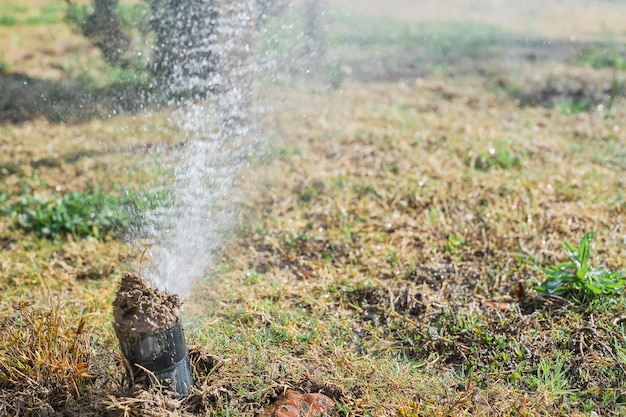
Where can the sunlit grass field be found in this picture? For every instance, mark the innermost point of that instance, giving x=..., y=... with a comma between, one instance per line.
x=396, y=218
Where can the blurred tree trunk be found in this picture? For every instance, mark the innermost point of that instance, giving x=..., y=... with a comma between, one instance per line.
x=314, y=29
x=184, y=52
x=200, y=47
x=104, y=30
x=207, y=46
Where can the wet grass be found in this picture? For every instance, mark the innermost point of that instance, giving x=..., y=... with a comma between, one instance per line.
x=391, y=238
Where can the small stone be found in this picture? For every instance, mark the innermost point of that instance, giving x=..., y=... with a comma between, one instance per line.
x=294, y=404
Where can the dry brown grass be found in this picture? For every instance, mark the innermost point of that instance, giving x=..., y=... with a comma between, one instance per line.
x=44, y=360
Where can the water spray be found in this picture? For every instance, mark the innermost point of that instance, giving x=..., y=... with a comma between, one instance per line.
x=214, y=54
x=151, y=337
x=213, y=79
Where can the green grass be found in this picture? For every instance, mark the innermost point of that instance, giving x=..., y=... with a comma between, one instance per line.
x=12, y=15
x=605, y=55
x=4, y=67
x=609, y=55
x=499, y=156
x=8, y=21
x=441, y=38
x=13, y=8
x=551, y=380
x=570, y=106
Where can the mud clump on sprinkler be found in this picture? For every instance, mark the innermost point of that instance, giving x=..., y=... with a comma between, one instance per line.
x=147, y=324
x=140, y=308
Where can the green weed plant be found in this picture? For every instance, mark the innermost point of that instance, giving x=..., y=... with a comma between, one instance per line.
x=578, y=277
x=80, y=214
x=498, y=157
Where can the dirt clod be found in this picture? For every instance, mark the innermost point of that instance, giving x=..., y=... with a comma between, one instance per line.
x=139, y=308
x=294, y=404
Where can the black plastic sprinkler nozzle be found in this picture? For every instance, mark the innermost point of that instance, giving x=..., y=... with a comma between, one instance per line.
x=162, y=352
x=150, y=334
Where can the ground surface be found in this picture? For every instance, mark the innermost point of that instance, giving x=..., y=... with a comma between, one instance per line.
x=564, y=20
x=394, y=219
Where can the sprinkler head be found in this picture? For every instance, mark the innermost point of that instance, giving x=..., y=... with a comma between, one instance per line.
x=151, y=337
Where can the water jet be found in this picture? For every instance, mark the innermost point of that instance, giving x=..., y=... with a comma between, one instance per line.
x=151, y=337
x=209, y=66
